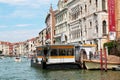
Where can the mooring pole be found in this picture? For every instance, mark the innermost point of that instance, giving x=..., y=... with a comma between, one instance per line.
x=105, y=55
x=101, y=60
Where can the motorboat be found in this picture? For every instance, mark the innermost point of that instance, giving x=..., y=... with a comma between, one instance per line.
x=17, y=59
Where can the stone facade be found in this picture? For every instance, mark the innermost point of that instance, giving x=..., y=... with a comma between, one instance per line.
x=86, y=21
x=61, y=28
x=5, y=47
x=42, y=37
x=36, y=42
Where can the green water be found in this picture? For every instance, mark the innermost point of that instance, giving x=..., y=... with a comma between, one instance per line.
x=11, y=70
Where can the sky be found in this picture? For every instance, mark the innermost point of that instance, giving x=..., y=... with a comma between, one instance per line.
x=21, y=20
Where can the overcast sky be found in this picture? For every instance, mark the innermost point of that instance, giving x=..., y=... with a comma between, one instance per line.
x=23, y=19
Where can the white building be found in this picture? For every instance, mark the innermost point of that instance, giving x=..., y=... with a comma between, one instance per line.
x=42, y=37
x=4, y=47
x=86, y=21
x=31, y=45
x=21, y=48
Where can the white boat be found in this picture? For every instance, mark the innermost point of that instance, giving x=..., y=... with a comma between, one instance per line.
x=1, y=57
x=24, y=56
x=112, y=61
x=17, y=59
x=95, y=64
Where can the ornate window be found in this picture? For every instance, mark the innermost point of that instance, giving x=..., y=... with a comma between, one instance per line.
x=85, y=8
x=81, y=10
x=96, y=27
x=75, y=12
x=90, y=1
x=85, y=34
x=103, y=5
x=90, y=24
x=96, y=2
x=104, y=27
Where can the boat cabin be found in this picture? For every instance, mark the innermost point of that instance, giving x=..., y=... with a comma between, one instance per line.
x=56, y=53
x=84, y=51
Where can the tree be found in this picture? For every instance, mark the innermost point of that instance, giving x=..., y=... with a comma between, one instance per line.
x=113, y=47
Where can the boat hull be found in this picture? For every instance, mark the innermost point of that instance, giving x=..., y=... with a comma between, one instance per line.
x=95, y=64
x=63, y=66
x=44, y=65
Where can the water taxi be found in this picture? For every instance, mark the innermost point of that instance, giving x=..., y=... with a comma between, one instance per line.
x=55, y=57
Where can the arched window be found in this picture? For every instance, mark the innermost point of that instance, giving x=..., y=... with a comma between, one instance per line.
x=90, y=24
x=85, y=8
x=81, y=10
x=103, y=5
x=96, y=27
x=96, y=2
x=85, y=32
x=90, y=1
x=104, y=27
x=81, y=33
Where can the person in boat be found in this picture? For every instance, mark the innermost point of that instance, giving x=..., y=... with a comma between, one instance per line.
x=36, y=60
x=45, y=55
x=90, y=55
x=96, y=55
x=83, y=55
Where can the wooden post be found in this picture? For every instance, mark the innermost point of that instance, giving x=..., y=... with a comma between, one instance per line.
x=105, y=59
x=101, y=60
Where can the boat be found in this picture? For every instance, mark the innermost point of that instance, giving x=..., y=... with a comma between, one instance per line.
x=96, y=64
x=17, y=59
x=55, y=57
x=117, y=68
x=1, y=56
x=91, y=59
x=24, y=56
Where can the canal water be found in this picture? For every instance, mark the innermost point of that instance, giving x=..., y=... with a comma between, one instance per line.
x=11, y=70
